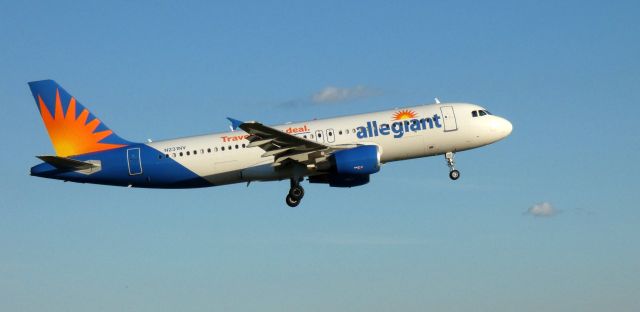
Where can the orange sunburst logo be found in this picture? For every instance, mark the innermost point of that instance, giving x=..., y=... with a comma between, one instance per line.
x=71, y=135
x=404, y=114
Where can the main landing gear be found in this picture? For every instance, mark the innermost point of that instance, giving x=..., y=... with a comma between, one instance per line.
x=453, y=173
x=296, y=192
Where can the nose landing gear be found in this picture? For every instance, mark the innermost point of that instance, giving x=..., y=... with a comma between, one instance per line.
x=453, y=173
x=296, y=192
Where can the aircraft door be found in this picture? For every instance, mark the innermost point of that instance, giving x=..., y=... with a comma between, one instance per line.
x=448, y=118
x=134, y=161
x=319, y=136
x=331, y=135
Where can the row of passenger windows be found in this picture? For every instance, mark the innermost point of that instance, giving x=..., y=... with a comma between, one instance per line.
x=243, y=145
x=329, y=133
x=480, y=113
x=202, y=151
x=347, y=131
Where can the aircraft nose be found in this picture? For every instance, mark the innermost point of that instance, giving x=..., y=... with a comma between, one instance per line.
x=501, y=128
x=506, y=127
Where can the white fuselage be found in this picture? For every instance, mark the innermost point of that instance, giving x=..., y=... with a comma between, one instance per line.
x=224, y=158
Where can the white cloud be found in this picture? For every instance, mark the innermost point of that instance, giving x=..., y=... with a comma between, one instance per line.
x=543, y=209
x=333, y=94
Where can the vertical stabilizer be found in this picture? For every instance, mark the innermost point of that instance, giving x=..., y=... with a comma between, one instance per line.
x=73, y=130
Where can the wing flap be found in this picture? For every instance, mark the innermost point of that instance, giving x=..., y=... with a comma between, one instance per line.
x=259, y=143
x=277, y=151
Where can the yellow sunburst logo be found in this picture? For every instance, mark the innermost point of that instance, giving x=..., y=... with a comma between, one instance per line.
x=71, y=135
x=404, y=114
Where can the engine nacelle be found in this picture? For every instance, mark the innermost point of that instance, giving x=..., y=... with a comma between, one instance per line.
x=340, y=180
x=361, y=160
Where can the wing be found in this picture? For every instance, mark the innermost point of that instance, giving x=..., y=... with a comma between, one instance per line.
x=284, y=147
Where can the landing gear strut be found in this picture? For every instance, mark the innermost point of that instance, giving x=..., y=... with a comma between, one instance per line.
x=453, y=173
x=296, y=192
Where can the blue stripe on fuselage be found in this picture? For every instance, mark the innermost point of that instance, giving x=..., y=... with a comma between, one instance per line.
x=156, y=172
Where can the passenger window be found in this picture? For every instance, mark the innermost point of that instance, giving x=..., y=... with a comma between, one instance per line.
x=215, y=149
x=208, y=150
x=243, y=145
x=340, y=132
x=319, y=135
x=474, y=114
x=230, y=148
x=222, y=148
x=166, y=155
x=201, y=151
x=482, y=113
x=188, y=153
x=195, y=152
x=180, y=154
x=160, y=156
x=304, y=136
x=236, y=146
x=346, y=131
x=330, y=133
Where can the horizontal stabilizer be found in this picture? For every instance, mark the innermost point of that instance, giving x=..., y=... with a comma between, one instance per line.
x=67, y=163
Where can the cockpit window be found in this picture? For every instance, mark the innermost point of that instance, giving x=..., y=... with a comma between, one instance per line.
x=474, y=114
x=482, y=113
x=488, y=113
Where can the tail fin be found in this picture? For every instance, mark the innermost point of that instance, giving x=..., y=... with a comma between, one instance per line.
x=73, y=130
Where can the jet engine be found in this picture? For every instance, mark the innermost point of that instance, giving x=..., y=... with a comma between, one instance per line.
x=359, y=160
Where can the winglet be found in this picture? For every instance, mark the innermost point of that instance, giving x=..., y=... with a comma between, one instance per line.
x=235, y=123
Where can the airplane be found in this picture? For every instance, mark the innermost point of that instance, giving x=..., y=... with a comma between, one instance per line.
x=340, y=152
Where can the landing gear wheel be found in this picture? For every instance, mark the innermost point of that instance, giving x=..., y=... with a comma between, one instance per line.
x=296, y=192
x=291, y=202
x=454, y=174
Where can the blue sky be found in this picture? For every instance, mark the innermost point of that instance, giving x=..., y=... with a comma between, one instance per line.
x=566, y=75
